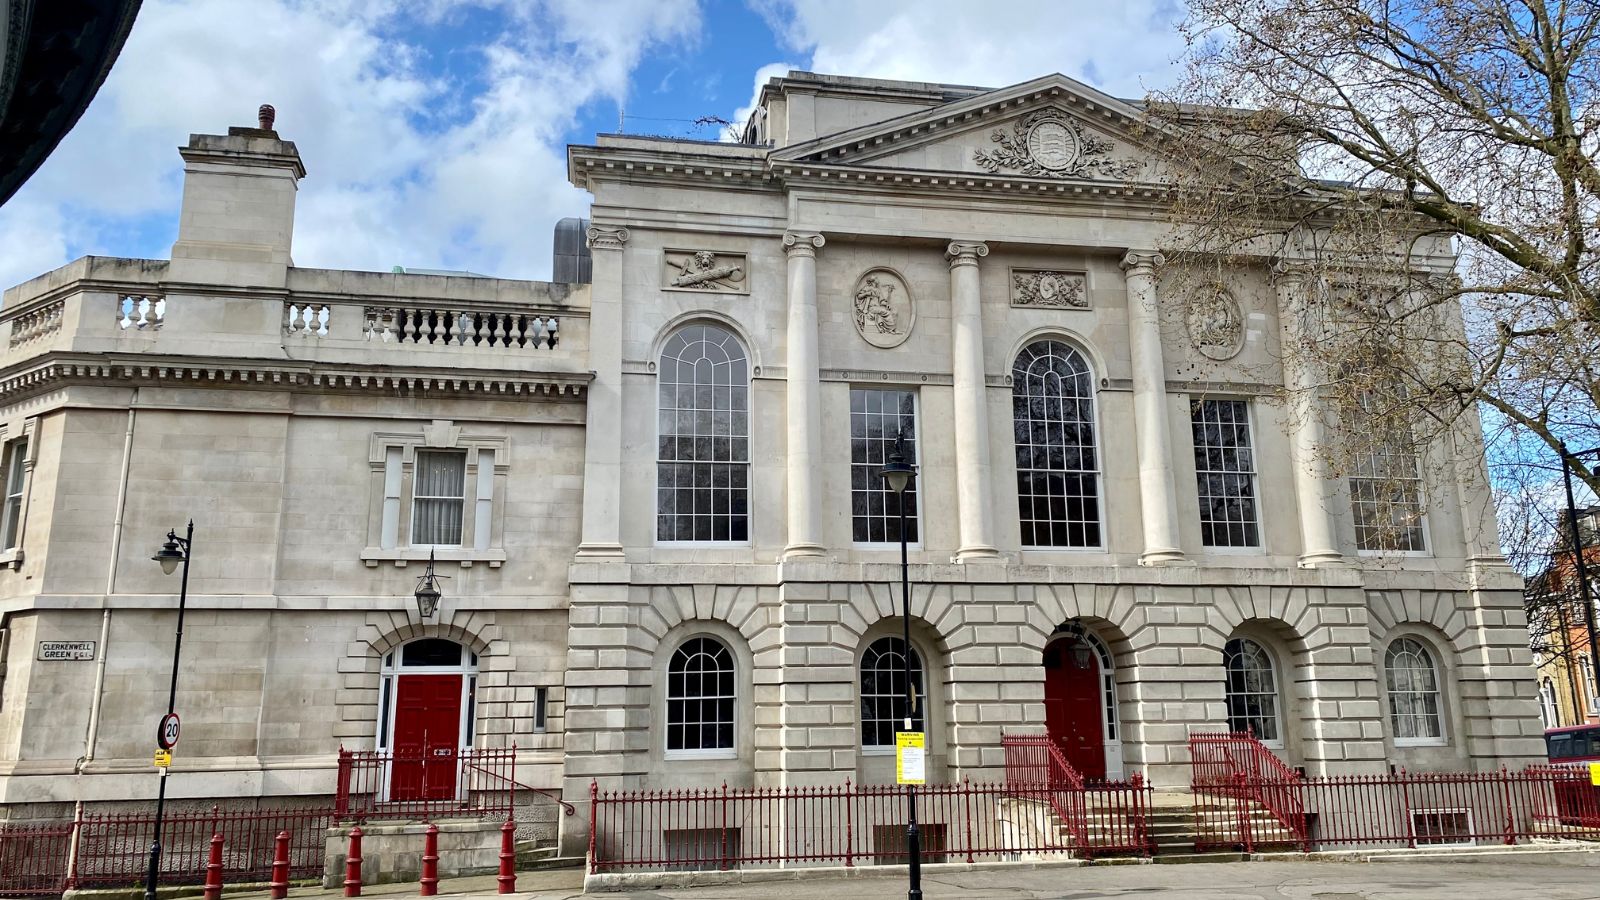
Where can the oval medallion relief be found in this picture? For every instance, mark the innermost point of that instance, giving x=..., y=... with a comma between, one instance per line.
x=1216, y=324
x=884, y=311
x=1053, y=145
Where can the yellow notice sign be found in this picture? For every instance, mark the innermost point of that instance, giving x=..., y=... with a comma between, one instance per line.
x=163, y=759
x=1594, y=773
x=910, y=757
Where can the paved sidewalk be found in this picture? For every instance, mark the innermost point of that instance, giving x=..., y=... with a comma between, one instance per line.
x=1575, y=879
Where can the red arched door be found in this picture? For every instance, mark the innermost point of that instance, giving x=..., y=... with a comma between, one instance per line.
x=1072, y=706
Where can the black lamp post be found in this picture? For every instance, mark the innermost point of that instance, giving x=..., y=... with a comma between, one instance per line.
x=1575, y=536
x=898, y=475
x=176, y=550
x=427, y=592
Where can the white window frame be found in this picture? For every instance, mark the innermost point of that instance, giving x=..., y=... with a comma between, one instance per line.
x=1276, y=743
x=462, y=498
x=1259, y=547
x=392, y=464
x=1099, y=448
x=731, y=752
x=916, y=460
x=1440, y=706
x=921, y=694
x=749, y=435
x=23, y=438
x=1417, y=455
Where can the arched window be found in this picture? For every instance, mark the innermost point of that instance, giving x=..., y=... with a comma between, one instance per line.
x=1058, y=474
x=1413, y=692
x=883, y=691
x=1252, y=694
x=700, y=697
x=703, y=437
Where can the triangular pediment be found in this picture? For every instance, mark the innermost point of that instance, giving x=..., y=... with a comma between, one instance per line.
x=1050, y=128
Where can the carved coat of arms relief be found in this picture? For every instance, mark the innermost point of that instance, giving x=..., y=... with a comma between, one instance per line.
x=705, y=270
x=1051, y=144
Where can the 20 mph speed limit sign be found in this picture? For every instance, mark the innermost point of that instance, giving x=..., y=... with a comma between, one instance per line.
x=167, y=734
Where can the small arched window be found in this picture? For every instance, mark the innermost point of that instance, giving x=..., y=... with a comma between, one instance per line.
x=700, y=698
x=703, y=437
x=1058, y=470
x=1252, y=693
x=1547, y=703
x=1413, y=682
x=883, y=691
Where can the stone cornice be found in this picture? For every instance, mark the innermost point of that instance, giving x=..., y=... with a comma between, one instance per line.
x=54, y=370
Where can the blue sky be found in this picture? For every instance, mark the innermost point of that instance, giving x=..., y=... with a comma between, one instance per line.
x=434, y=131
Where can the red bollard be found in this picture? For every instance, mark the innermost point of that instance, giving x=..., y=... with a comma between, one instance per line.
x=279, y=888
x=214, y=870
x=430, y=861
x=352, y=865
x=508, y=857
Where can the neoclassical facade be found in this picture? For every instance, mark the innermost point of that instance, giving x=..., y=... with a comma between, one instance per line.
x=672, y=562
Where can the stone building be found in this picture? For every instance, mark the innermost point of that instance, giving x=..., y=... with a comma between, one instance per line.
x=671, y=562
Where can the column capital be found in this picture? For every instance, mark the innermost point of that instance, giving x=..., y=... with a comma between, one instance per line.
x=1142, y=262
x=606, y=237
x=965, y=253
x=1289, y=271
x=802, y=243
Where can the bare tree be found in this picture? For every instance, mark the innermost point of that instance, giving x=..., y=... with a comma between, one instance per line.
x=1361, y=141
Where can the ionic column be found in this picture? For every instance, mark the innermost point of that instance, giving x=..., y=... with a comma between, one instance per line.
x=1313, y=490
x=804, y=395
x=1157, y=495
x=971, y=406
x=602, y=468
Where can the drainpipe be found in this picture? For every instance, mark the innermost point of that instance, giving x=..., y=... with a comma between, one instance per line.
x=93, y=733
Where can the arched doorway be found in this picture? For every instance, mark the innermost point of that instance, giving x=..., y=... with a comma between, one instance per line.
x=425, y=716
x=1080, y=703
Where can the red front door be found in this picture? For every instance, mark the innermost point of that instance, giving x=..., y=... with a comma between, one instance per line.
x=1072, y=708
x=427, y=727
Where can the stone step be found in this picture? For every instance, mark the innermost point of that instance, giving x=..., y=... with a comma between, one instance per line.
x=1182, y=858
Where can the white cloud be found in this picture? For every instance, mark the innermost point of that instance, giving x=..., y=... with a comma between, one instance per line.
x=405, y=165
x=1122, y=48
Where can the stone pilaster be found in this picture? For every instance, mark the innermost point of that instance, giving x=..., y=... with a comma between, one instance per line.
x=971, y=411
x=804, y=397
x=602, y=470
x=1314, y=491
x=1157, y=494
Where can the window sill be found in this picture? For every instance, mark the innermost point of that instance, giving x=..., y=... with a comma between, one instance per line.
x=11, y=559
x=700, y=754
x=1421, y=742
x=401, y=556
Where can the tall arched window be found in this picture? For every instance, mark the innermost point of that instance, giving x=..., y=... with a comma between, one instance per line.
x=883, y=691
x=1413, y=692
x=1058, y=471
x=703, y=442
x=1252, y=694
x=700, y=680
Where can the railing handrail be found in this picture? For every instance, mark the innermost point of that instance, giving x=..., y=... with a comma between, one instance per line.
x=1260, y=777
x=547, y=793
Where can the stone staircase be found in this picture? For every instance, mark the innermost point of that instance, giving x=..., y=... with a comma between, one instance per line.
x=1177, y=827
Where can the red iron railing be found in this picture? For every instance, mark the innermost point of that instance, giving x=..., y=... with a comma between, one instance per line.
x=33, y=858
x=1246, y=797
x=1235, y=778
x=400, y=784
x=114, y=850
x=1100, y=816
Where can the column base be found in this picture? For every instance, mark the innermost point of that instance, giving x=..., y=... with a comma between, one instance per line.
x=803, y=551
x=1330, y=559
x=600, y=552
x=976, y=554
x=1164, y=558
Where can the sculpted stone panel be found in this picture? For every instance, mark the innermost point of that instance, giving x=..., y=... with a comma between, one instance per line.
x=1051, y=144
x=1215, y=324
x=1049, y=289
x=708, y=271
x=884, y=310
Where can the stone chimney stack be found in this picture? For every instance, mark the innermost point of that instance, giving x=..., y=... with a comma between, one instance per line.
x=238, y=207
